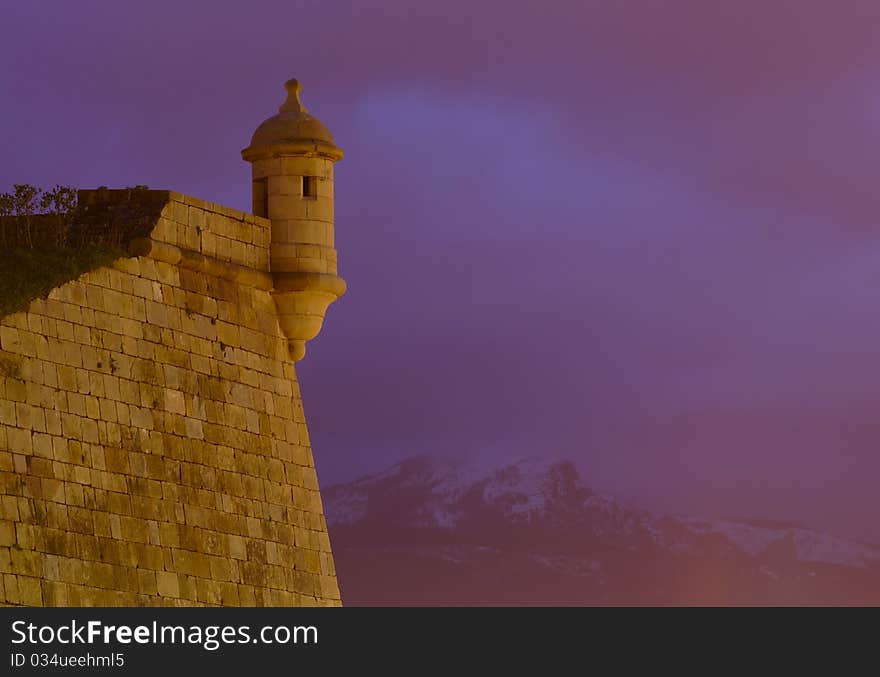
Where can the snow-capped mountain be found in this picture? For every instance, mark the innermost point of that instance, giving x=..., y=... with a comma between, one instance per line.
x=523, y=491
x=532, y=532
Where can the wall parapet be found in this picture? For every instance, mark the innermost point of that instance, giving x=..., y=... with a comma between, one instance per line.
x=180, y=220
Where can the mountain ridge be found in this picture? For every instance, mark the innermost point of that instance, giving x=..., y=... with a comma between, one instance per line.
x=447, y=529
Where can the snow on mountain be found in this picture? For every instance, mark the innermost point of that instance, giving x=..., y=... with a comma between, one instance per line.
x=446, y=482
x=807, y=545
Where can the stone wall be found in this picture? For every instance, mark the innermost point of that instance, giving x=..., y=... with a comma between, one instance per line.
x=153, y=446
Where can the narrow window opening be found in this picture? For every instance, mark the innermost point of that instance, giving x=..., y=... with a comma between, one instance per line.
x=310, y=187
x=261, y=197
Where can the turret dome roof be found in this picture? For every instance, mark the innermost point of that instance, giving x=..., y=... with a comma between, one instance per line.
x=292, y=123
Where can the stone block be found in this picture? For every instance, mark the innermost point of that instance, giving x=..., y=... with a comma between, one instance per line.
x=167, y=584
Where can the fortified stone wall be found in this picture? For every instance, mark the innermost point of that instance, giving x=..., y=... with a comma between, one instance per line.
x=153, y=446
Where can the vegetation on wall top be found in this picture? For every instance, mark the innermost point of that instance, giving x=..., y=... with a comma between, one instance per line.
x=38, y=247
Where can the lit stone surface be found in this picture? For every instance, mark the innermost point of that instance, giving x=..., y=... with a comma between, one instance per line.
x=153, y=445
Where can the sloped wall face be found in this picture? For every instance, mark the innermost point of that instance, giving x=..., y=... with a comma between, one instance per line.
x=153, y=446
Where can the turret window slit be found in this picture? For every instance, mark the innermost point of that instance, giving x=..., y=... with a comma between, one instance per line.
x=310, y=187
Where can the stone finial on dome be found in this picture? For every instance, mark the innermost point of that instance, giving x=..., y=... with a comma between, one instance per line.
x=291, y=126
x=293, y=104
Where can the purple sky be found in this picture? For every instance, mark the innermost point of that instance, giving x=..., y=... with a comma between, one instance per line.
x=641, y=234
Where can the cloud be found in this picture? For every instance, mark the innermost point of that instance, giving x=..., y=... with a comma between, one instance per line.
x=640, y=232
